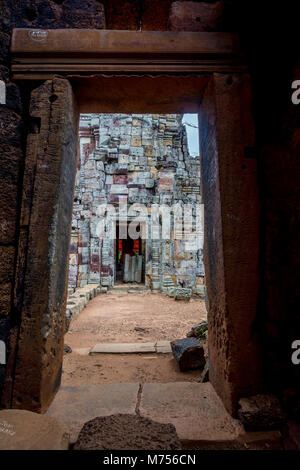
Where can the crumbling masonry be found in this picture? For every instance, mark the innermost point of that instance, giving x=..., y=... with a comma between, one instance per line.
x=140, y=159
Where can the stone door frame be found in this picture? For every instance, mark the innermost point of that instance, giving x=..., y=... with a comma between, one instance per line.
x=202, y=72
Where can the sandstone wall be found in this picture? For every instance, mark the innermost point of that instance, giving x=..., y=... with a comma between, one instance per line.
x=14, y=126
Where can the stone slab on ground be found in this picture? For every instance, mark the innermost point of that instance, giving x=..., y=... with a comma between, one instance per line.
x=24, y=430
x=163, y=347
x=123, y=348
x=74, y=406
x=195, y=410
x=127, y=432
x=82, y=351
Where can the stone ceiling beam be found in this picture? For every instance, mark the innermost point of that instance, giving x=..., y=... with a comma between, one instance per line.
x=44, y=53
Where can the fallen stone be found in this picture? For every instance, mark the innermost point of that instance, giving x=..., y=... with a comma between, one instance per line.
x=171, y=291
x=141, y=329
x=182, y=294
x=24, y=430
x=127, y=432
x=67, y=349
x=198, y=331
x=260, y=412
x=189, y=353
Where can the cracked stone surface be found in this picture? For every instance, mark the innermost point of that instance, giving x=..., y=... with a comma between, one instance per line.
x=194, y=409
x=74, y=406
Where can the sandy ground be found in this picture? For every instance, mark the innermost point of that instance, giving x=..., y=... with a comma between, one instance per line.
x=113, y=317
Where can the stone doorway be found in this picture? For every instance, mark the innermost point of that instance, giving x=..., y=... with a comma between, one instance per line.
x=222, y=97
x=137, y=171
x=129, y=259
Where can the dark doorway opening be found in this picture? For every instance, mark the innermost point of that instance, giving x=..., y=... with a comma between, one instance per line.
x=129, y=259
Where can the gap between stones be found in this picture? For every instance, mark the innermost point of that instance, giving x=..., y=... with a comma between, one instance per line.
x=138, y=399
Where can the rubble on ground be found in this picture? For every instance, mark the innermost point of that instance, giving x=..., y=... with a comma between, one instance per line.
x=127, y=432
x=262, y=411
x=199, y=331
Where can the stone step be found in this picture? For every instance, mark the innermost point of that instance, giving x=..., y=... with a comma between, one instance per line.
x=196, y=411
x=200, y=419
x=130, y=289
x=74, y=406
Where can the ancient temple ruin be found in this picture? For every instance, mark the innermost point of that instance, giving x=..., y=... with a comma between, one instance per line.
x=63, y=58
x=135, y=159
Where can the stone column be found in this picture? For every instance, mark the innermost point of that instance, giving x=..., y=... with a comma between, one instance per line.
x=46, y=216
x=231, y=251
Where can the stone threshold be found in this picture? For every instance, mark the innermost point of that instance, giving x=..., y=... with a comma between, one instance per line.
x=160, y=347
x=196, y=411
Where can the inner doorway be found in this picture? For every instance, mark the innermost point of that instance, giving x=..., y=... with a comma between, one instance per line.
x=129, y=259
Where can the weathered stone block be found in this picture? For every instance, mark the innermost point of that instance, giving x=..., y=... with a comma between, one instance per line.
x=47, y=214
x=7, y=254
x=4, y=49
x=189, y=353
x=260, y=412
x=5, y=298
x=182, y=293
x=11, y=160
x=127, y=17
x=195, y=16
x=198, y=331
x=58, y=14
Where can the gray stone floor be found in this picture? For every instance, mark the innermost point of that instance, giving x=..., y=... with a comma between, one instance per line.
x=196, y=411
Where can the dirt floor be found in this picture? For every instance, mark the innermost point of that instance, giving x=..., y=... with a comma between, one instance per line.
x=128, y=317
